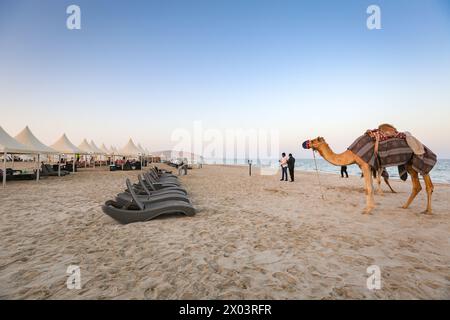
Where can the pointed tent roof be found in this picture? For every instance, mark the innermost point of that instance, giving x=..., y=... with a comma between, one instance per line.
x=64, y=145
x=130, y=149
x=105, y=149
x=11, y=145
x=114, y=151
x=86, y=147
x=95, y=148
x=140, y=148
x=27, y=138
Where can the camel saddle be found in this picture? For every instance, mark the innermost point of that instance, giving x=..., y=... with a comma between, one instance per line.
x=386, y=147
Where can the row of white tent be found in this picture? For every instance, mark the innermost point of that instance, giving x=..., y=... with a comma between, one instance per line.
x=25, y=142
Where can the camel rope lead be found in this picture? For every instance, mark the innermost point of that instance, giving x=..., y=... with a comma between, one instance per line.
x=318, y=177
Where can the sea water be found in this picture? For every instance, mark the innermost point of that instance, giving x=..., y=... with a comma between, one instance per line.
x=440, y=172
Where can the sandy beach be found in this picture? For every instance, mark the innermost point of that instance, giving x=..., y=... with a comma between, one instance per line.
x=252, y=238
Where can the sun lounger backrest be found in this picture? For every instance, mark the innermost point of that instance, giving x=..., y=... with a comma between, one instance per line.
x=141, y=181
x=133, y=195
x=149, y=181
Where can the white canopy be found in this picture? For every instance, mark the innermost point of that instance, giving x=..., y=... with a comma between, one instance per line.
x=85, y=147
x=10, y=145
x=130, y=149
x=114, y=151
x=64, y=145
x=27, y=138
x=105, y=149
x=141, y=149
x=96, y=149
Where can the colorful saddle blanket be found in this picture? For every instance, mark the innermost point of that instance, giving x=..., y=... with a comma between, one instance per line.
x=392, y=151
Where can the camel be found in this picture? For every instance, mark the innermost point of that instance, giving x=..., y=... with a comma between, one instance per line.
x=348, y=158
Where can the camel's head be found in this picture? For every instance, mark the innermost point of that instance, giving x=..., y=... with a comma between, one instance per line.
x=314, y=143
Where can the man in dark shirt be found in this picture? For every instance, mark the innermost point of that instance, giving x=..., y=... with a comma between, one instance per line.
x=291, y=165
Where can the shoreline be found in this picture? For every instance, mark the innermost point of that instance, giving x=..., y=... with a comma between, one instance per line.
x=326, y=173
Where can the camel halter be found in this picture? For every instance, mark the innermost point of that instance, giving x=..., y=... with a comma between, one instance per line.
x=317, y=173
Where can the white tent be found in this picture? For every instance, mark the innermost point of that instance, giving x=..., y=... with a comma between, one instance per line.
x=87, y=150
x=85, y=147
x=96, y=149
x=105, y=149
x=142, y=153
x=64, y=146
x=141, y=149
x=130, y=149
x=27, y=138
x=9, y=145
x=114, y=151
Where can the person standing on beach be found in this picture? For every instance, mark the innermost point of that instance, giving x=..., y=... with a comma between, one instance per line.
x=344, y=171
x=291, y=165
x=284, y=167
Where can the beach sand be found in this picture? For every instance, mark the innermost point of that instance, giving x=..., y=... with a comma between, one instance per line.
x=252, y=238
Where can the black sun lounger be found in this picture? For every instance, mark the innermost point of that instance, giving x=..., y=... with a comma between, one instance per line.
x=138, y=211
x=47, y=170
x=17, y=175
x=159, y=184
x=142, y=189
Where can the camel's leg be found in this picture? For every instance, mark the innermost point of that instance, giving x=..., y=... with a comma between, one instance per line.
x=389, y=185
x=379, y=190
x=369, y=187
x=429, y=187
x=416, y=185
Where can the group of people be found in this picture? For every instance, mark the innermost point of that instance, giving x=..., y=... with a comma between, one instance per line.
x=287, y=163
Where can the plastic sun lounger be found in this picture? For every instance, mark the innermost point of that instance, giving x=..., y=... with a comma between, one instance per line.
x=158, y=183
x=47, y=170
x=167, y=177
x=144, y=190
x=156, y=187
x=151, y=183
x=17, y=175
x=125, y=197
x=138, y=211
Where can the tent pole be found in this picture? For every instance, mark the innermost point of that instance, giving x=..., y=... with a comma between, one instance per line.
x=74, y=163
x=59, y=165
x=4, y=169
x=37, y=171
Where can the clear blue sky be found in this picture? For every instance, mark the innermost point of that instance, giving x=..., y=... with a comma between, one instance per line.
x=145, y=68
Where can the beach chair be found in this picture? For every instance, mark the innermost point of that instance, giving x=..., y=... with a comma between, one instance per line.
x=142, y=187
x=17, y=175
x=157, y=184
x=47, y=170
x=138, y=211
